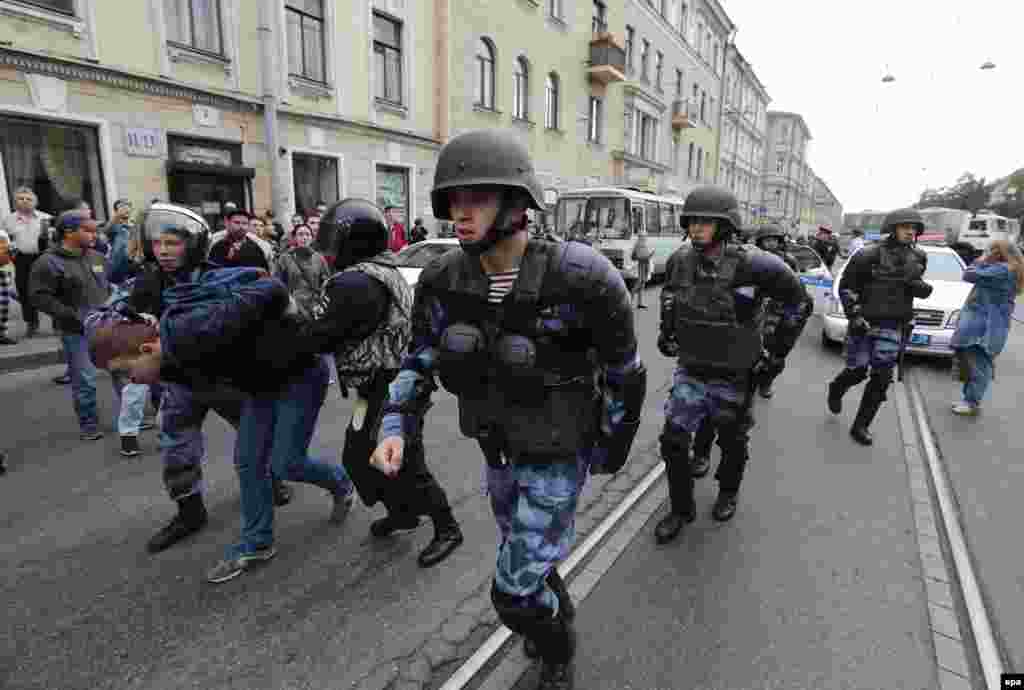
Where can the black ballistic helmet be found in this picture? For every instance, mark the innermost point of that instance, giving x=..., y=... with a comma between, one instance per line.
x=162, y=218
x=903, y=216
x=487, y=158
x=351, y=231
x=767, y=231
x=716, y=203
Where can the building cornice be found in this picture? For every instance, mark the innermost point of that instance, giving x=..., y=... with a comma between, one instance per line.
x=407, y=136
x=77, y=70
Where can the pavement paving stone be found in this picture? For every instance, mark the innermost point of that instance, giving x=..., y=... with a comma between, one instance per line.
x=438, y=651
x=950, y=654
x=474, y=605
x=944, y=621
x=381, y=679
x=939, y=593
x=952, y=681
x=417, y=670
x=457, y=628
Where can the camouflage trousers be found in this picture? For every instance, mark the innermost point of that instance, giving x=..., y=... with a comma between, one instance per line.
x=879, y=348
x=535, y=508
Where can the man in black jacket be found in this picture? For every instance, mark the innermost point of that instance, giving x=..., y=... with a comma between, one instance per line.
x=826, y=246
x=877, y=292
x=66, y=282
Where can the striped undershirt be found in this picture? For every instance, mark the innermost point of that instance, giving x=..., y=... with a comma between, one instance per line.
x=500, y=284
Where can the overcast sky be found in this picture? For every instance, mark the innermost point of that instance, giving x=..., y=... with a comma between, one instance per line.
x=878, y=145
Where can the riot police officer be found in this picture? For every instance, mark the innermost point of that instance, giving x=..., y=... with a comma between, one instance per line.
x=521, y=330
x=709, y=321
x=877, y=291
x=363, y=319
x=779, y=343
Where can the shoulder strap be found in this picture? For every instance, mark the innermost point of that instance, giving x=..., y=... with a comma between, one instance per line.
x=532, y=270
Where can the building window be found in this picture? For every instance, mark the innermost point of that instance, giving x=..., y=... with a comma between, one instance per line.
x=192, y=23
x=703, y=106
x=305, y=22
x=683, y=19
x=707, y=165
x=711, y=110
x=630, y=40
x=679, y=82
x=714, y=59
x=393, y=191
x=696, y=93
x=645, y=54
x=551, y=102
x=647, y=146
x=600, y=23
x=485, y=74
x=521, y=90
x=555, y=8
x=59, y=162
x=315, y=179
x=387, y=58
x=62, y=6
x=596, y=120
x=780, y=165
x=658, y=68
x=664, y=8
x=700, y=162
x=689, y=161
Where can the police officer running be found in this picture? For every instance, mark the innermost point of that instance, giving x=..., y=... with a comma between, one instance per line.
x=779, y=343
x=363, y=317
x=521, y=330
x=710, y=308
x=877, y=291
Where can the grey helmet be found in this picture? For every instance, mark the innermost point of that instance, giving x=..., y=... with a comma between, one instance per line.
x=713, y=202
x=903, y=216
x=771, y=230
x=160, y=217
x=486, y=158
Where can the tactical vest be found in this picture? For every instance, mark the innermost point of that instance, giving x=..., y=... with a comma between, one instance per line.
x=886, y=297
x=707, y=330
x=358, y=362
x=523, y=369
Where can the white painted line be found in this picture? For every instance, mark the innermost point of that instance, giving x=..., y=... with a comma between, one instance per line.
x=988, y=651
x=465, y=673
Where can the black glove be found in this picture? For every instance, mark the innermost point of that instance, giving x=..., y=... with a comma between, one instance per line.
x=667, y=345
x=858, y=326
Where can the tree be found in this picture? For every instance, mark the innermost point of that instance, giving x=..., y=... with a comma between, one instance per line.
x=969, y=194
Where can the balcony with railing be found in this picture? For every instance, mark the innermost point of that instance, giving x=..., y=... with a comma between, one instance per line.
x=684, y=114
x=607, y=59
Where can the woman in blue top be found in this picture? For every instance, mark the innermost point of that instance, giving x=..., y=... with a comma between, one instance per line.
x=984, y=325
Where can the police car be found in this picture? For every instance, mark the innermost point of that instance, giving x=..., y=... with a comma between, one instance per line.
x=935, y=318
x=414, y=258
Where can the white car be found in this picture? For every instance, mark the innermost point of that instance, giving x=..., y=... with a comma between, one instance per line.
x=935, y=318
x=414, y=258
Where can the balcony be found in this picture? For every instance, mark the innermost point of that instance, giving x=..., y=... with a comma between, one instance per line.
x=684, y=114
x=607, y=59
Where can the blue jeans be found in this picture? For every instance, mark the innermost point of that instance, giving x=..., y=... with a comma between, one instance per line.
x=273, y=437
x=83, y=381
x=131, y=398
x=980, y=377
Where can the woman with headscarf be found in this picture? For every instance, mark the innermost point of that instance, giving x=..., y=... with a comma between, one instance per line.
x=303, y=270
x=984, y=325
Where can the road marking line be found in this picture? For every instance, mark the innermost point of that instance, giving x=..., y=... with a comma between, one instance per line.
x=988, y=651
x=465, y=673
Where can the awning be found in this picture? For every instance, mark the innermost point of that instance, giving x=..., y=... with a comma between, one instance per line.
x=207, y=169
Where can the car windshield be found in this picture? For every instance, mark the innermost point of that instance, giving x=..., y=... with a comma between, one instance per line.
x=419, y=255
x=943, y=266
x=806, y=258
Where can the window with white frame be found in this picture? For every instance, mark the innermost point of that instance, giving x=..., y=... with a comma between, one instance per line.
x=191, y=23
x=679, y=82
x=555, y=8
x=551, y=102
x=387, y=58
x=484, y=74
x=780, y=164
x=595, y=120
x=683, y=19
x=521, y=90
x=659, y=66
x=314, y=179
x=700, y=162
x=703, y=105
x=645, y=55
x=630, y=41
x=647, y=133
x=689, y=161
x=707, y=165
x=600, y=19
x=305, y=25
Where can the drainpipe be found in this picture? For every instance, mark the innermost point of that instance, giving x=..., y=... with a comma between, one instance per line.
x=269, y=40
x=441, y=71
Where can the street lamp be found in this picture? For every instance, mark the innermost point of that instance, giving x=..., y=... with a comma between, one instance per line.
x=888, y=78
x=988, y=64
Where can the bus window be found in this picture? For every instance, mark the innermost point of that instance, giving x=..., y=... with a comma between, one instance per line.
x=569, y=217
x=609, y=214
x=669, y=223
x=1001, y=224
x=653, y=219
x=638, y=218
x=978, y=228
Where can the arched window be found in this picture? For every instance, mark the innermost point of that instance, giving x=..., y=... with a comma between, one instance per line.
x=485, y=74
x=521, y=89
x=551, y=102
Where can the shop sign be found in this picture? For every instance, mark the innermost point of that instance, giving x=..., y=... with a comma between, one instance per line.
x=144, y=141
x=206, y=116
x=202, y=154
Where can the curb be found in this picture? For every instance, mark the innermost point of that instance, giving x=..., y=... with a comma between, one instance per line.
x=25, y=361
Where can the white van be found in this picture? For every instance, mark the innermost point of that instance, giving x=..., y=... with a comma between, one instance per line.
x=961, y=229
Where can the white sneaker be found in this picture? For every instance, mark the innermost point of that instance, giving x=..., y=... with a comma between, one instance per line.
x=965, y=409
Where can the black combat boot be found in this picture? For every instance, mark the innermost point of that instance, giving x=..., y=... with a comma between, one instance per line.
x=190, y=519
x=870, y=402
x=447, y=538
x=282, y=494
x=565, y=607
x=682, y=509
x=847, y=379
x=725, y=505
x=700, y=466
x=557, y=638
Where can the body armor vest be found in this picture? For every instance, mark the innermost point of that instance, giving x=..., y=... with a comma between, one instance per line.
x=521, y=369
x=706, y=327
x=359, y=362
x=886, y=296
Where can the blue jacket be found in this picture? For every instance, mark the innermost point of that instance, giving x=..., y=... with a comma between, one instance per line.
x=985, y=319
x=121, y=266
x=230, y=326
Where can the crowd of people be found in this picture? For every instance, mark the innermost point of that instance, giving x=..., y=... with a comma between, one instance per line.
x=535, y=338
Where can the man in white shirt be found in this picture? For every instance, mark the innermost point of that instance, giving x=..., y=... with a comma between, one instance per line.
x=856, y=243
x=26, y=228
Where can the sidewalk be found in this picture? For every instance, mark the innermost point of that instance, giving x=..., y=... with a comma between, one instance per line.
x=29, y=353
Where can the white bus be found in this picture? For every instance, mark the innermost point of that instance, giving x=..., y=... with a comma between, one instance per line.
x=610, y=219
x=967, y=232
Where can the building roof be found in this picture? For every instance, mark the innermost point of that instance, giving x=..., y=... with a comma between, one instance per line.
x=748, y=69
x=776, y=114
x=720, y=15
x=822, y=183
